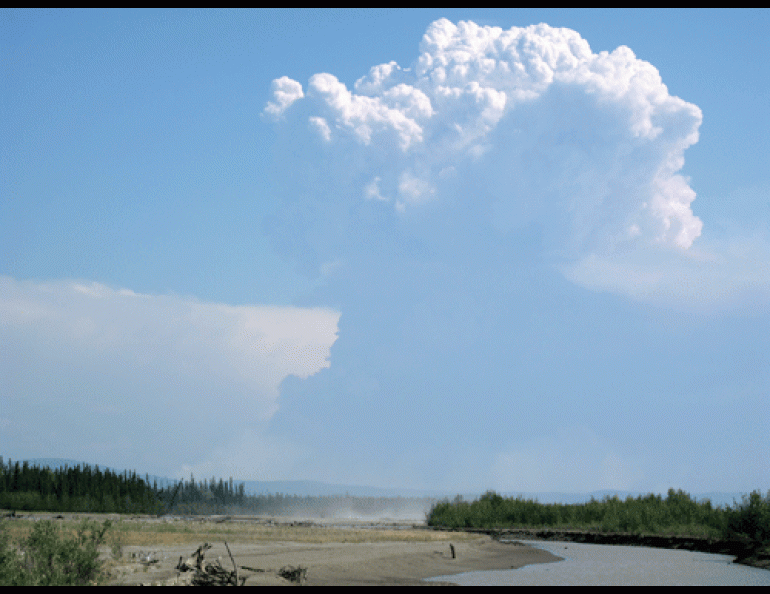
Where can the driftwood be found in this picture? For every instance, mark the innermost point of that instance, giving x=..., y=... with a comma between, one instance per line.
x=235, y=567
x=210, y=574
x=293, y=574
x=213, y=574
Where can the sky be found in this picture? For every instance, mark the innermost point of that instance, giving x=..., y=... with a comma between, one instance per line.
x=443, y=249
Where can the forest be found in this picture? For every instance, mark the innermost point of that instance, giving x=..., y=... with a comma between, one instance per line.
x=675, y=514
x=83, y=488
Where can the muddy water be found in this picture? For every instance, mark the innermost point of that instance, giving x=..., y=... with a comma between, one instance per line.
x=607, y=565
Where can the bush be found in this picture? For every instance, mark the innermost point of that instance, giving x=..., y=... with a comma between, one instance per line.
x=50, y=558
x=677, y=513
x=751, y=518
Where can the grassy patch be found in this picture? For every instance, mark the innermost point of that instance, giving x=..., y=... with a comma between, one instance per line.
x=193, y=532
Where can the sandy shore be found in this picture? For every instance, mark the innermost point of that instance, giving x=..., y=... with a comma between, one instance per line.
x=348, y=564
x=363, y=560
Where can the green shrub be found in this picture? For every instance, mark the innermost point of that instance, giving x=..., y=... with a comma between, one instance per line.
x=47, y=557
x=751, y=518
x=10, y=565
x=677, y=513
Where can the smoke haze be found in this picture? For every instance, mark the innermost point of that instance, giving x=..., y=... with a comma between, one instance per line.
x=389, y=249
x=446, y=207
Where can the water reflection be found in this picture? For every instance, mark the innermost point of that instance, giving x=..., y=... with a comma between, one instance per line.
x=608, y=565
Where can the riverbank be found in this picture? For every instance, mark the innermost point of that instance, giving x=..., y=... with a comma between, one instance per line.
x=161, y=551
x=744, y=551
x=613, y=565
x=393, y=563
x=350, y=553
x=153, y=550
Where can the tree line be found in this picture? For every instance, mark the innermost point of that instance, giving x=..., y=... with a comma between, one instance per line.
x=676, y=513
x=80, y=488
x=83, y=488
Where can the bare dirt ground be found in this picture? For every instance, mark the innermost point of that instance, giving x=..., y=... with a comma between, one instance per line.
x=145, y=550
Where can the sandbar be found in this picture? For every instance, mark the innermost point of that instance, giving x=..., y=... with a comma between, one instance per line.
x=343, y=559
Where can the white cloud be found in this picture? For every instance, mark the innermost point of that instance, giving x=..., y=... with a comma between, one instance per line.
x=471, y=81
x=714, y=275
x=259, y=344
x=372, y=190
x=103, y=354
x=321, y=127
x=366, y=116
x=536, y=129
x=285, y=92
x=414, y=189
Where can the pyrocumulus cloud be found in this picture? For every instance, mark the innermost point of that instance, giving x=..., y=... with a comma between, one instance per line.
x=590, y=143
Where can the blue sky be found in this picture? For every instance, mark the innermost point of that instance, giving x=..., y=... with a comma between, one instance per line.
x=464, y=249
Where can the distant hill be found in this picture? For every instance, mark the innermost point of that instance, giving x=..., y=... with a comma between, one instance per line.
x=321, y=489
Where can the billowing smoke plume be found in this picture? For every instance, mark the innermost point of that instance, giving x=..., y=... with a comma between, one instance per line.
x=525, y=125
x=442, y=205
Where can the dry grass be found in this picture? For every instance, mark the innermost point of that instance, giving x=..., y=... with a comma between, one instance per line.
x=195, y=533
x=148, y=531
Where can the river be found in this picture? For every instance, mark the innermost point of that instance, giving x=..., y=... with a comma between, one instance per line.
x=609, y=565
